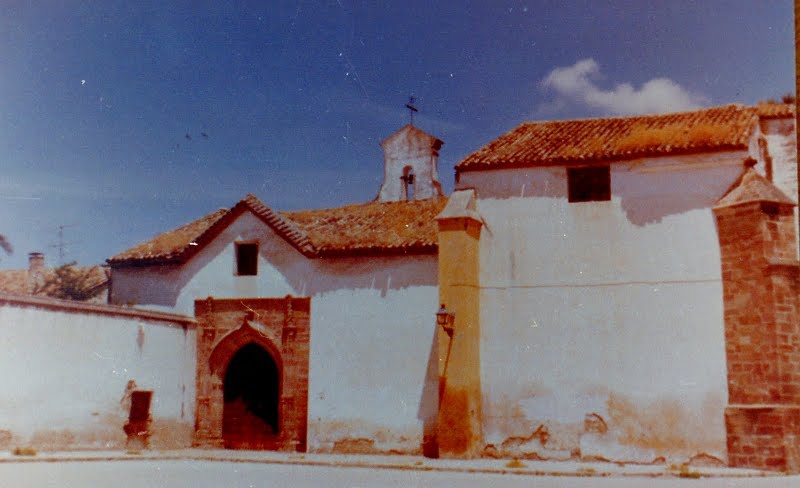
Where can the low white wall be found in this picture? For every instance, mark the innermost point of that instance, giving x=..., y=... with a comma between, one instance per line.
x=607, y=308
x=65, y=368
x=372, y=325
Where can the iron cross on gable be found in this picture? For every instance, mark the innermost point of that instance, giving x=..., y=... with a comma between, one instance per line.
x=411, y=108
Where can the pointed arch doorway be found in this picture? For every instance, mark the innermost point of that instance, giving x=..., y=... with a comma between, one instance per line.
x=252, y=373
x=251, y=395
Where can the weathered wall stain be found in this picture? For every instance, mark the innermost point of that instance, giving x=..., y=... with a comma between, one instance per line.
x=594, y=423
x=454, y=427
x=107, y=433
x=6, y=439
x=706, y=460
x=354, y=446
x=667, y=425
x=347, y=435
x=623, y=429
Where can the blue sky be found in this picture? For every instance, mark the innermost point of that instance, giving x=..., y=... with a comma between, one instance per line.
x=97, y=99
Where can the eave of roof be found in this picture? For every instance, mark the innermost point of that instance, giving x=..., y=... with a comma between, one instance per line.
x=769, y=110
x=179, y=245
x=375, y=228
x=576, y=142
x=169, y=247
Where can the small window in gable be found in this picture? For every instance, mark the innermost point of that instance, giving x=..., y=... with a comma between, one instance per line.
x=591, y=184
x=246, y=259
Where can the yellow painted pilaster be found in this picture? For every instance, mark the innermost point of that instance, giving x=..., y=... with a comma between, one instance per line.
x=459, y=418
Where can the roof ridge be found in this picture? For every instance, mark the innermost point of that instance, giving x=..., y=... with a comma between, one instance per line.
x=284, y=227
x=363, y=204
x=559, y=142
x=663, y=114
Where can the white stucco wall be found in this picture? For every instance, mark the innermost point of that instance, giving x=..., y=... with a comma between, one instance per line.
x=609, y=308
x=64, y=374
x=372, y=326
x=781, y=144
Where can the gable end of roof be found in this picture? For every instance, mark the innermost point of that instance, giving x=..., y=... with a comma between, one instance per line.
x=181, y=244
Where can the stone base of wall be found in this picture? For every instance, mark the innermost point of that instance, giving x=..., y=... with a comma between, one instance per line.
x=764, y=437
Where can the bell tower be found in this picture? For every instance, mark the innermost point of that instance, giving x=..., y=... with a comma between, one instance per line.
x=410, y=158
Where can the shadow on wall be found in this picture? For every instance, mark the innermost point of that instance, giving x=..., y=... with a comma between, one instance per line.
x=429, y=401
x=646, y=197
x=609, y=427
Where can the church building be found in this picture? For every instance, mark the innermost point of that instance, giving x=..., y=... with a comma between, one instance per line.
x=619, y=289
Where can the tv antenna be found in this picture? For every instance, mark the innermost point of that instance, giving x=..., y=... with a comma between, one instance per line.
x=61, y=245
x=411, y=108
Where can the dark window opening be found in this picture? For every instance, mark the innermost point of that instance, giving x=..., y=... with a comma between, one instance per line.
x=589, y=184
x=408, y=183
x=246, y=259
x=140, y=406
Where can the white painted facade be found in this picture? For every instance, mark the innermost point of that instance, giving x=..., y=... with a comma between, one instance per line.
x=372, y=326
x=611, y=308
x=781, y=141
x=65, y=372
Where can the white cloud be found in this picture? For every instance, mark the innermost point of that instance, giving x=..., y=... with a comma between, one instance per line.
x=576, y=83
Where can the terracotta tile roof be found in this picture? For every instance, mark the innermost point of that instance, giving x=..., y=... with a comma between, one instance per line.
x=767, y=110
x=370, y=228
x=14, y=281
x=19, y=281
x=376, y=227
x=170, y=245
x=580, y=141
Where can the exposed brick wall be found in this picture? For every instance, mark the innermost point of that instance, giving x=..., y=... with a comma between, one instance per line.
x=763, y=437
x=281, y=327
x=762, y=338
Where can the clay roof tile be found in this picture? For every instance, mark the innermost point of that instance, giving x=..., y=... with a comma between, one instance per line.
x=563, y=142
x=370, y=228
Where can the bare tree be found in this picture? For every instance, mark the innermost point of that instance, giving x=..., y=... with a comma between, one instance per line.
x=5, y=245
x=70, y=282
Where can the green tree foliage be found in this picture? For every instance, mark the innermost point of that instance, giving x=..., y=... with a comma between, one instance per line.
x=70, y=282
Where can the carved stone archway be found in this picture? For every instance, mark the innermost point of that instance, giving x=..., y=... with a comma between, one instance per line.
x=279, y=327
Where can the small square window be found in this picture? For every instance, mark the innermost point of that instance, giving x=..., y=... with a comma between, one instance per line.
x=589, y=184
x=247, y=259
